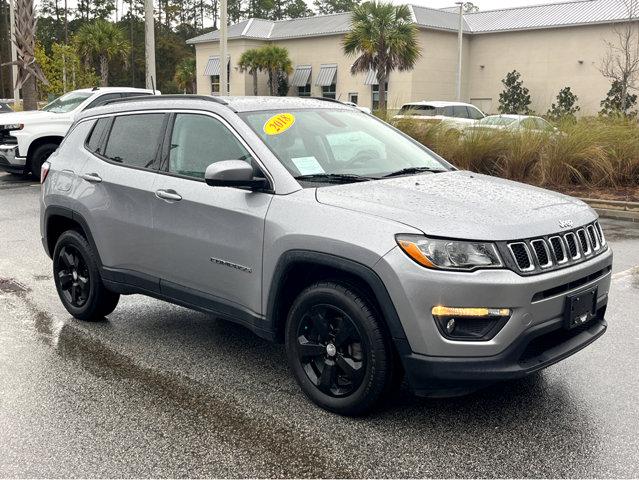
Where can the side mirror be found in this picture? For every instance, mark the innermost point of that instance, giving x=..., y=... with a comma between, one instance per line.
x=232, y=173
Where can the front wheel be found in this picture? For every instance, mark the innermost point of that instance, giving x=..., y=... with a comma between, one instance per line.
x=337, y=349
x=78, y=281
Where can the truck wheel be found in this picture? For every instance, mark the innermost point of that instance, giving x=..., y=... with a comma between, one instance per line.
x=78, y=281
x=337, y=349
x=40, y=156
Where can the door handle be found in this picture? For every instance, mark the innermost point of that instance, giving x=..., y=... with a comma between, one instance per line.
x=91, y=177
x=168, y=195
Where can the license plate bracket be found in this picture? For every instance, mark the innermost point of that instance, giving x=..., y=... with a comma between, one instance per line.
x=580, y=308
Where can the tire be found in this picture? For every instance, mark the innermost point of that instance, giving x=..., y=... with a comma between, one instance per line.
x=338, y=350
x=77, y=279
x=40, y=156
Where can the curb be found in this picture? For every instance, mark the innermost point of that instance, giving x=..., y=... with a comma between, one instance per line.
x=615, y=209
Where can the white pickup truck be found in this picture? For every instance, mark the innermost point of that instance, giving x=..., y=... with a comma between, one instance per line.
x=27, y=139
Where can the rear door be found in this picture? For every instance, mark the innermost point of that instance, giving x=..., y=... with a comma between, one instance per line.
x=208, y=239
x=118, y=182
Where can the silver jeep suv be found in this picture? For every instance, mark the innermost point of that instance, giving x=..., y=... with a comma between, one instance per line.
x=317, y=225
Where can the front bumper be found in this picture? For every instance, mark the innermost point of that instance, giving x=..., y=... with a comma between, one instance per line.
x=540, y=347
x=10, y=161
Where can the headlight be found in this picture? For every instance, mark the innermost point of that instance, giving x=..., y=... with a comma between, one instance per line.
x=12, y=126
x=449, y=254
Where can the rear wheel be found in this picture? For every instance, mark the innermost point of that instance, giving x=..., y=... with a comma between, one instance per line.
x=77, y=279
x=337, y=349
x=40, y=155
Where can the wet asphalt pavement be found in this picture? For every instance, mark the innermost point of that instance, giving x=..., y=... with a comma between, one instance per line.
x=158, y=390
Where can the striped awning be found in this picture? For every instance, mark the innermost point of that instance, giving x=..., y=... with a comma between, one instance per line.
x=326, y=75
x=213, y=66
x=301, y=76
x=371, y=78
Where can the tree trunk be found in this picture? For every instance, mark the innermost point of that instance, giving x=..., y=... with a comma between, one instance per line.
x=104, y=71
x=382, y=92
x=30, y=94
x=271, y=82
x=255, y=82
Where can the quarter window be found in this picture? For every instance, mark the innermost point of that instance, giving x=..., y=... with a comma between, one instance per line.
x=134, y=139
x=198, y=141
x=460, y=112
x=95, y=141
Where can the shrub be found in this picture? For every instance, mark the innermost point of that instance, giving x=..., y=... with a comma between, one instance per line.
x=593, y=152
x=566, y=106
x=515, y=98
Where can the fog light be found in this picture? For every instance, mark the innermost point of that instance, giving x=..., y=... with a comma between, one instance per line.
x=476, y=323
x=450, y=326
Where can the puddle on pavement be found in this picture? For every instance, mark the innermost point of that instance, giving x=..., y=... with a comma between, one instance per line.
x=277, y=445
x=10, y=285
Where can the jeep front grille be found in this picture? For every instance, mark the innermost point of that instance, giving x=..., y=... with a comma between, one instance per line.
x=545, y=253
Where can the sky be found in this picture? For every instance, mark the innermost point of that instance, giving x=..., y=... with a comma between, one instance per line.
x=482, y=4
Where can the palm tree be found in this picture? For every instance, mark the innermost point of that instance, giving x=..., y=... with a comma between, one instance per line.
x=185, y=75
x=385, y=39
x=274, y=60
x=28, y=69
x=251, y=62
x=104, y=40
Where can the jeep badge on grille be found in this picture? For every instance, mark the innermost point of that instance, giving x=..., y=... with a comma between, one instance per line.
x=566, y=224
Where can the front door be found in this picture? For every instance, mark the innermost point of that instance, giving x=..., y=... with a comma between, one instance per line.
x=208, y=239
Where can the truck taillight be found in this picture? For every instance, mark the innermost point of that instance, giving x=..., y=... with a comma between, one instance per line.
x=44, y=171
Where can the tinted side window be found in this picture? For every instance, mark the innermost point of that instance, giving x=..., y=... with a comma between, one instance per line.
x=198, y=141
x=475, y=114
x=460, y=112
x=135, y=94
x=102, y=99
x=94, y=142
x=134, y=139
x=445, y=111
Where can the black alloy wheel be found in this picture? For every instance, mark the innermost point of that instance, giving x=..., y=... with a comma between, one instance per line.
x=338, y=348
x=73, y=276
x=331, y=351
x=77, y=278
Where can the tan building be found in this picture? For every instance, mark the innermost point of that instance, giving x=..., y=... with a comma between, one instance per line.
x=552, y=46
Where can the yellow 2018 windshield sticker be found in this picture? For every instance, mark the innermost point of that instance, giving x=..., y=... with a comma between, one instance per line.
x=279, y=123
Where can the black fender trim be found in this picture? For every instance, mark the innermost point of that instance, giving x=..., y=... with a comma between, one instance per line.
x=54, y=210
x=361, y=271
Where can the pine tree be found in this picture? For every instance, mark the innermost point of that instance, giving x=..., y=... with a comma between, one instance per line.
x=325, y=7
x=515, y=99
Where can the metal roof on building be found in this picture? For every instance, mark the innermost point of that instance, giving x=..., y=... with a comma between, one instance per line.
x=553, y=15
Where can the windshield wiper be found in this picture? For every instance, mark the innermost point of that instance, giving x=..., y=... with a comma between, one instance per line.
x=333, y=177
x=411, y=170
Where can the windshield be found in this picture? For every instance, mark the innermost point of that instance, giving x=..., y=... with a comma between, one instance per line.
x=496, y=121
x=67, y=102
x=322, y=142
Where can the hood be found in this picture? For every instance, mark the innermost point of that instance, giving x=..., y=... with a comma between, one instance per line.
x=461, y=205
x=32, y=116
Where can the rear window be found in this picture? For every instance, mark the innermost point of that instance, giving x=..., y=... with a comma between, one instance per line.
x=134, y=139
x=503, y=121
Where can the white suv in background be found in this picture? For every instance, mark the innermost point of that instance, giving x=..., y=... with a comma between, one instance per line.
x=456, y=114
x=27, y=139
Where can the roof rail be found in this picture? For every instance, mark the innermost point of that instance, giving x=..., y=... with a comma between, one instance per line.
x=332, y=100
x=147, y=98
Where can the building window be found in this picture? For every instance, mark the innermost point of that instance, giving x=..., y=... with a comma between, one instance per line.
x=215, y=81
x=375, y=89
x=304, y=91
x=329, y=91
x=353, y=97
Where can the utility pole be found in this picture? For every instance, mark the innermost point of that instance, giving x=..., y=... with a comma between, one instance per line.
x=14, y=52
x=224, y=78
x=460, y=43
x=149, y=44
